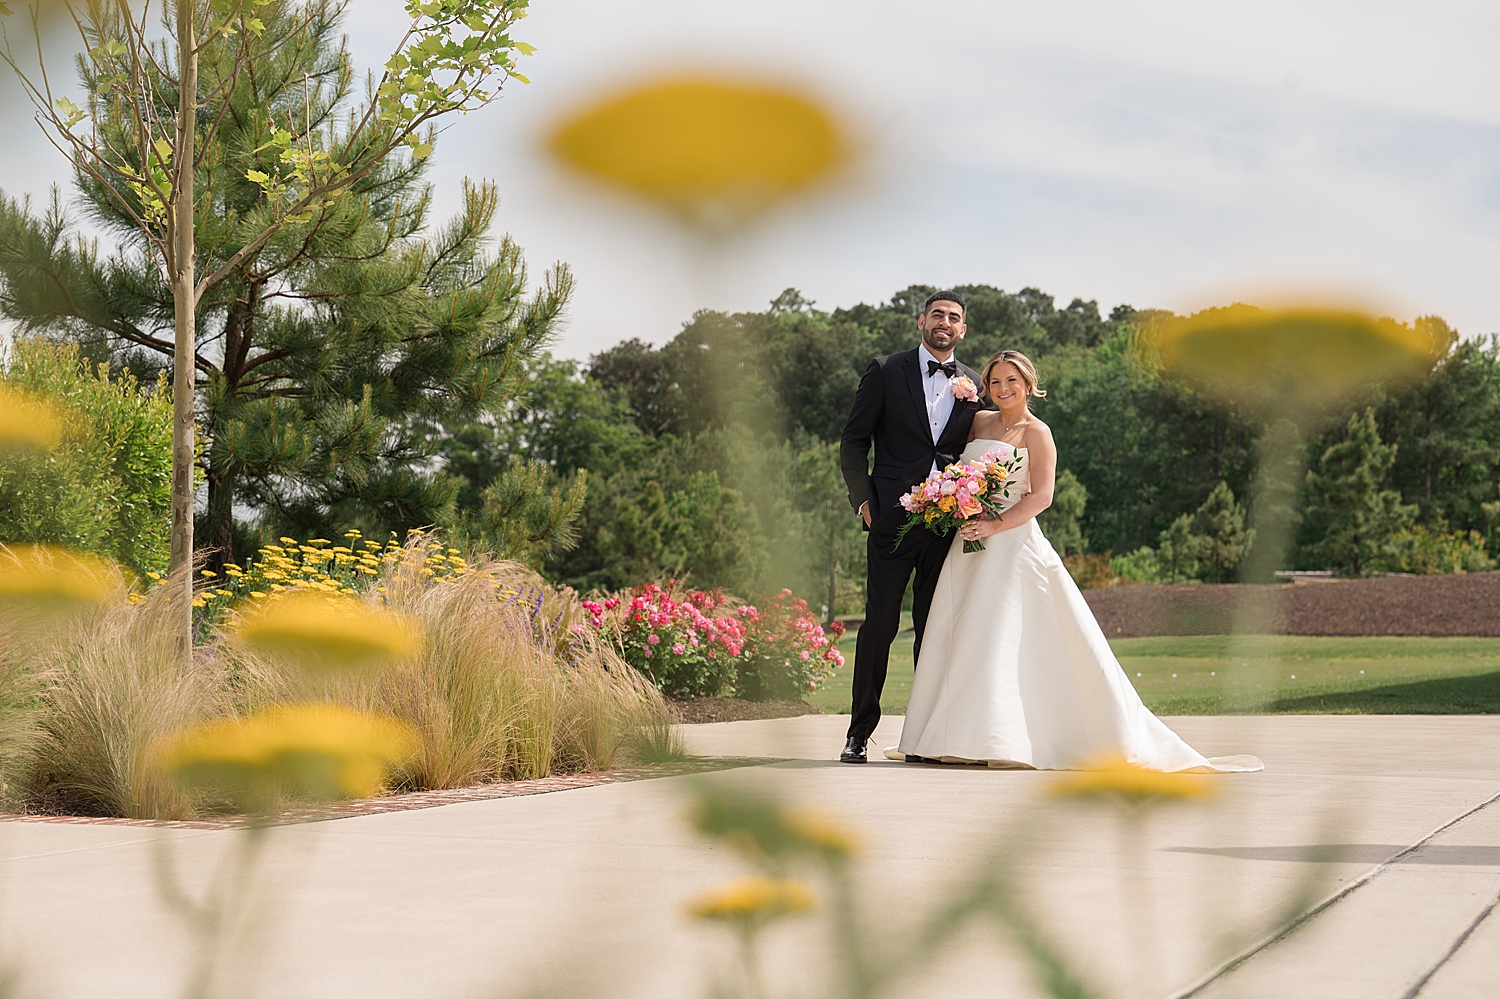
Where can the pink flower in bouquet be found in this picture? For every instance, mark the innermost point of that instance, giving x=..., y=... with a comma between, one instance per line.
x=948, y=488
x=654, y=639
x=968, y=506
x=963, y=388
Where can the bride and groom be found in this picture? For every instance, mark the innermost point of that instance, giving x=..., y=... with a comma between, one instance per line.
x=1012, y=670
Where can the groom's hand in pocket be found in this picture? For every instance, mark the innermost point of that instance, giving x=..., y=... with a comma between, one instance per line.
x=864, y=511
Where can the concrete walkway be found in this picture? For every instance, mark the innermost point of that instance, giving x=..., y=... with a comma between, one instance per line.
x=578, y=893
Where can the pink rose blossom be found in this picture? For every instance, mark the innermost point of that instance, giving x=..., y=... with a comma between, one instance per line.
x=678, y=648
x=654, y=639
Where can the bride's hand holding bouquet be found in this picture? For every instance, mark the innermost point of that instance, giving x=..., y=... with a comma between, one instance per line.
x=963, y=494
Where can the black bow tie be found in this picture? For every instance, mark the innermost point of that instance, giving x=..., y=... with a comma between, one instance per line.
x=950, y=369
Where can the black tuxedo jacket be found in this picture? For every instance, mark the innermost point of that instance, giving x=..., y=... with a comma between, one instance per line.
x=890, y=411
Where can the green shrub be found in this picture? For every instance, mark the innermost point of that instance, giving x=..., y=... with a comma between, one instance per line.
x=107, y=486
x=1140, y=566
x=1433, y=550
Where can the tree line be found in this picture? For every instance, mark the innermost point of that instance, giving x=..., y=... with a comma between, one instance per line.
x=372, y=367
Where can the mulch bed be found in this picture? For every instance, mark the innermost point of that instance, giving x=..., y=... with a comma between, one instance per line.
x=1466, y=604
x=699, y=710
x=420, y=799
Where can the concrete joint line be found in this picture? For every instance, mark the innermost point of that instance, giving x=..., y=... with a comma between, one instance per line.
x=1463, y=938
x=1337, y=897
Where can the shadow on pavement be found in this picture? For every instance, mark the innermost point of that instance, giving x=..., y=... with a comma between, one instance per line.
x=1458, y=695
x=1354, y=853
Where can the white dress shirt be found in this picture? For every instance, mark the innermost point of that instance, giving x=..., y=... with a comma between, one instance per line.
x=935, y=391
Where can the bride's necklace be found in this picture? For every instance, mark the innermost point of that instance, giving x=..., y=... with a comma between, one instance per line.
x=1005, y=431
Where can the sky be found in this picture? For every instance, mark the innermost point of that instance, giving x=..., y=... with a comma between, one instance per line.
x=1162, y=154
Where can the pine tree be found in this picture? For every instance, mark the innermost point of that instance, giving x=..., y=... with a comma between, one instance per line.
x=1348, y=503
x=1220, y=526
x=1179, y=551
x=1060, y=521
x=332, y=356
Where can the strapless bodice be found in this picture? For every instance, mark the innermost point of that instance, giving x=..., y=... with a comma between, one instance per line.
x=1020, y=477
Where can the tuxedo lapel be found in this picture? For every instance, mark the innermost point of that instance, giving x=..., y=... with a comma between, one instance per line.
x=961, y=407
x=912, y=362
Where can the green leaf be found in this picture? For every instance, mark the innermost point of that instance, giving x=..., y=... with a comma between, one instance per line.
x=524, y=48
x=256, y=177
x=421, y=150
x=163, y=150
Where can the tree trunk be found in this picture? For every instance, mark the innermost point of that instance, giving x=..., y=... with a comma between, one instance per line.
x=184, y=348
x=220, y=521
x=833, y=572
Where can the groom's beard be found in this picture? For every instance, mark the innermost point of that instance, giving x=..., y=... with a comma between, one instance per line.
x=931, y=339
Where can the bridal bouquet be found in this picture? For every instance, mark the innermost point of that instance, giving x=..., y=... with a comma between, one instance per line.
x=961, y=492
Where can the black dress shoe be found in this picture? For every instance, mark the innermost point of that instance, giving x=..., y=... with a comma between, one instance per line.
x=854, y=751
x=922, y=759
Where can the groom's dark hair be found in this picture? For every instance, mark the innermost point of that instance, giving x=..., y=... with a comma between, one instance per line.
x=945, y=296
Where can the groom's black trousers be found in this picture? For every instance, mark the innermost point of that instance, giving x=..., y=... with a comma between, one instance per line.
x=888, y=572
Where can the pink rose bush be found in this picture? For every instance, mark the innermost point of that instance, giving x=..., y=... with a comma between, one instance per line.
x=788, y=654
x=698, y=643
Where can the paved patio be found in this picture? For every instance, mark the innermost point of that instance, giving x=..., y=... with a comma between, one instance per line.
x=578, y=892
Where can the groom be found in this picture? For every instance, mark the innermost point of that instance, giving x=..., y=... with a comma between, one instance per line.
x=905, y=406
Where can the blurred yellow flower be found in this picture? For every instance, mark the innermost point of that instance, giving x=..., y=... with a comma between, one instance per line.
x=28, y=420
x=1303, y=358
x=317, y=750
x=821, y=832
x=322, y=629
x=704, y=146
x=49, y=574
x=754, y=900
x=1114, y=777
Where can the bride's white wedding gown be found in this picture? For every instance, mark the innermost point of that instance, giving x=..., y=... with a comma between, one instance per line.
x=1016, y=673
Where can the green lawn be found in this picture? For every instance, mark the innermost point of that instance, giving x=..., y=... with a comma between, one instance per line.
x=1221, y=674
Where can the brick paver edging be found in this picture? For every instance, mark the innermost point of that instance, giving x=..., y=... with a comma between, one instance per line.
x=421, y=799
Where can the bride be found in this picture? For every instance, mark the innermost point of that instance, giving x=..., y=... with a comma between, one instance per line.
x=1014, y=670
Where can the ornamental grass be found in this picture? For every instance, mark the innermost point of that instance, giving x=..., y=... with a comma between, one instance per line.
x=480, y=663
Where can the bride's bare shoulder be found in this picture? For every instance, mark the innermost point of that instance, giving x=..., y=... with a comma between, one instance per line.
x=1038, y=434
x=981, y=424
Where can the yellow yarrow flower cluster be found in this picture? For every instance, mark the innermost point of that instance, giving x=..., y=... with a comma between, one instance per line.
x=48, y=574
x=319, y=565
x=1113, y=777
x=705, y=146
x=754, y=900
x=314, y=750
x=326, y=629
x=27, y=420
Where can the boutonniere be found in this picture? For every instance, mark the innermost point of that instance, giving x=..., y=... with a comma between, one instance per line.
x=963, y=389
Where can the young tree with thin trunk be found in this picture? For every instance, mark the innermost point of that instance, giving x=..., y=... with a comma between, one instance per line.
x=142, y=140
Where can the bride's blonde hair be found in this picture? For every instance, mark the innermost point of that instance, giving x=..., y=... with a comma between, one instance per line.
x=1021, y=363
